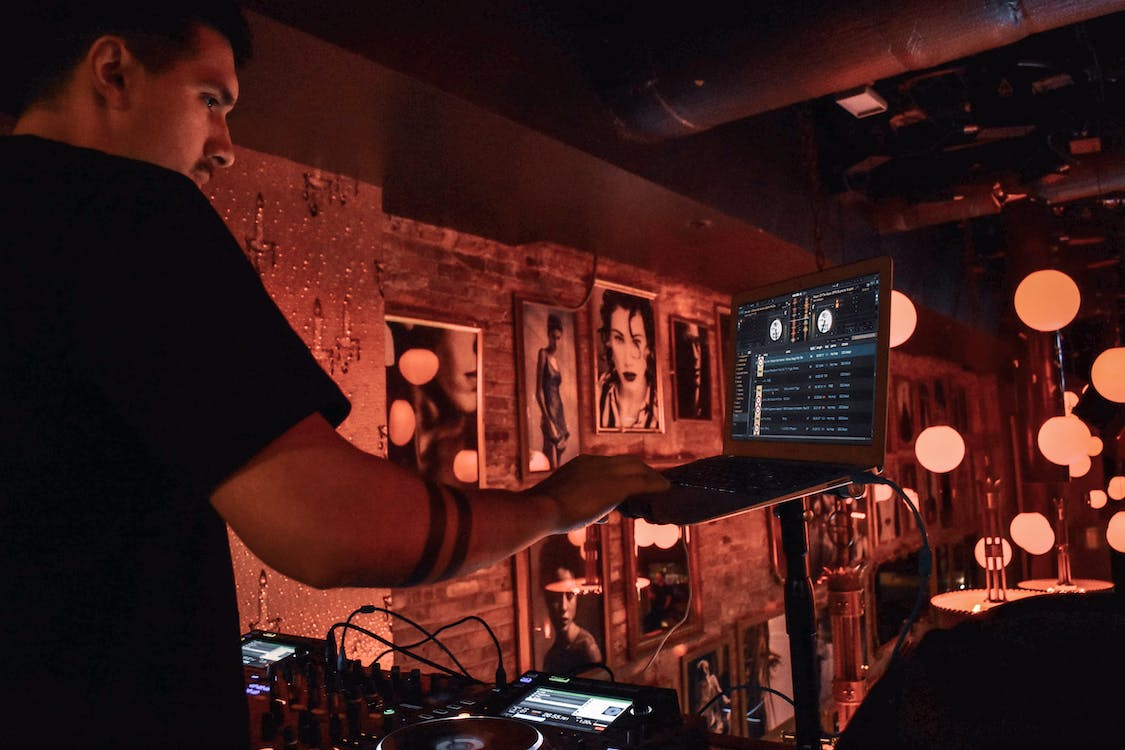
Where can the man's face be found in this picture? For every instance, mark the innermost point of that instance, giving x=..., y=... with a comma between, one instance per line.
x=179, y=116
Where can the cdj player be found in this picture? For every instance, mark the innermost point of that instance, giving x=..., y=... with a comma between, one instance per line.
x=299, y=701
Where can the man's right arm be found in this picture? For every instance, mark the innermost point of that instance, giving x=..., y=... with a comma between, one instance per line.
x=319, y=510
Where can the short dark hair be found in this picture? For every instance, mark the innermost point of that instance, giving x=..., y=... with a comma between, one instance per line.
x=56, y=34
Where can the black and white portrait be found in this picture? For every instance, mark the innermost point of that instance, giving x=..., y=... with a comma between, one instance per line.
x=627, y=391
x=549, y=397
x=691, y=357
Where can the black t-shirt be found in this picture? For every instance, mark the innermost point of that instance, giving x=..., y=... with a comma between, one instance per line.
x=143, y=362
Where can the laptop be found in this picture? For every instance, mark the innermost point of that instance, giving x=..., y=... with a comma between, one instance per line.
x=806, y=388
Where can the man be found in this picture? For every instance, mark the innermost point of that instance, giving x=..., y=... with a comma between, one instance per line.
x=152, y=391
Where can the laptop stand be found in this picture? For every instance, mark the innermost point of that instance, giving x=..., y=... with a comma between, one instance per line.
x=800, y=624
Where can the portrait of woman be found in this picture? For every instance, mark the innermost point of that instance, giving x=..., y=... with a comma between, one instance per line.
x=548, y=370
x=433, y=400
x=628, y=392
x=568, y=612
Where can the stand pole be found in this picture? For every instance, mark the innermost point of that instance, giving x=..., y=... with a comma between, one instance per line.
x=800, y=624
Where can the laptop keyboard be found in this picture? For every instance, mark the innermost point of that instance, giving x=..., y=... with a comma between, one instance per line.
x=728, y=474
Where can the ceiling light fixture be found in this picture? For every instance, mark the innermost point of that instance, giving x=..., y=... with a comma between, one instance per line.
x=862, y=102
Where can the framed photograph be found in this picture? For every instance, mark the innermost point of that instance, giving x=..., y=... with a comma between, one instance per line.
x=691, y=369
x=662, y=568
x=547, y=373
x=627, y=379
x=722, y=338
x=567, y=604
x=434, y=406
x=755, y=663
x=903, y=427
x=705, y=677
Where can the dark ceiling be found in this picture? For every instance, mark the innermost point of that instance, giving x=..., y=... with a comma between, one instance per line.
x=995, y=110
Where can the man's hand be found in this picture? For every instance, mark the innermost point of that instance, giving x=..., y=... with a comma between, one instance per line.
x=586, y=488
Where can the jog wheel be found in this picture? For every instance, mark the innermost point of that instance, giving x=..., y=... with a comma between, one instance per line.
x=464, y=733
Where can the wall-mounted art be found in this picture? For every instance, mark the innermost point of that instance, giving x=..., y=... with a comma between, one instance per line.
x=564, y=591
x=705, y=678
x=691, y=369
x=434, y=412
x=546, y=366
x=627, y=379
x=662, y=579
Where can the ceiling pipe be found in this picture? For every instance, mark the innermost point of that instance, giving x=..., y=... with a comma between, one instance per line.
x=752, y=65
x=1093, y=176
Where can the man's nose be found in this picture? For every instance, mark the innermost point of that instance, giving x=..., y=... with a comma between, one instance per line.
x=220, y=149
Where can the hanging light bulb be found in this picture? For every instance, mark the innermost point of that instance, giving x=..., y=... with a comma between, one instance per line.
x=904, y=318
x=1115, y=531
x=1097, y=499
x=1047, y=300
x=1033, y=532
x=1062, y=440
x=1070, y=400
x=1108, y=374
x=883, y=492
x=1116, y=487
x=940, y=448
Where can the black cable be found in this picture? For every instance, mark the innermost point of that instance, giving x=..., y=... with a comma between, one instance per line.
x=341, y=656
x=501, y=676
x=384, y=641
x=925, y=560
x=748, y=686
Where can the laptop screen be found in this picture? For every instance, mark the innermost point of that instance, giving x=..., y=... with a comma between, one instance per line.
x=809, y=365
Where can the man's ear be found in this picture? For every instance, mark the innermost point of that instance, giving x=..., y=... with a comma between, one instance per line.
x=110, y=65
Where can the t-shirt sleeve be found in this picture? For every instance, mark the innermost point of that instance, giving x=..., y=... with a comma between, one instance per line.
x=177, y=332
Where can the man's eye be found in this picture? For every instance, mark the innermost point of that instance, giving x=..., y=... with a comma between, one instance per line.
x=211, y=101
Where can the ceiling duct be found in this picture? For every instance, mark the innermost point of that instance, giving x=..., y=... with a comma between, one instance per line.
x=732, y=68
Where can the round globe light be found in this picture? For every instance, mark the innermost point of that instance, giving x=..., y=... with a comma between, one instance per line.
x=883, y=492
x=1047, y=300
x=1116, y=487
x=1094, y=447
x=1079, y=467
x=904, y=318
x=1070, y=400
x=401, y=422
x=1006, y=553
x=1033, y=532
x=1097, y=499
x=418, y=366
x=666, y=536
x=1115, y=531
x=644, y=533
x=1108, y=374
x=939, y=448
x=538, y=461
x=465, y=466
x=1062, y=440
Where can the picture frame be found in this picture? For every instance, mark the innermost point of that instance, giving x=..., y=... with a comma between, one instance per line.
x=666, y=550
x=547, y=379
x=435, y=410
x=705, y=672
x=722, y=339
x=628, y=387
x=754, y=660
x=567, y=618
x=691, y=369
